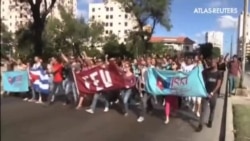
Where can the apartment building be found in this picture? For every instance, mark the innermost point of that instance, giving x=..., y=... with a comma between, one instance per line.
x=15, y=14
x=216, y=38
x=113, y=16
x=240, y=35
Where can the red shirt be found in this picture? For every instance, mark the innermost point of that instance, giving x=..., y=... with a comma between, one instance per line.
x=57, y=69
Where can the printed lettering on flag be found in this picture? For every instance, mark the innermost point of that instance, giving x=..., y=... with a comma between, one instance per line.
x=162, y=82
x=99, y=79
x=15, y=81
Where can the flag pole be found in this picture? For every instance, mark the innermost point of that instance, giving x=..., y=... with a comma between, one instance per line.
x=75, y=83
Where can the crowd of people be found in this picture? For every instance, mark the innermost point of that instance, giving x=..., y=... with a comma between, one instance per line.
x=61, y=68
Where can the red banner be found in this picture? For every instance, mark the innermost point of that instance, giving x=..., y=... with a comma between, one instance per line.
x=99, y=79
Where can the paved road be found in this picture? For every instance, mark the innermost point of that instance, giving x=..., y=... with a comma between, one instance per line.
x=22, y=121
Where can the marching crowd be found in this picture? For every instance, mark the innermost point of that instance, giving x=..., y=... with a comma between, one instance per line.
x=62, y=82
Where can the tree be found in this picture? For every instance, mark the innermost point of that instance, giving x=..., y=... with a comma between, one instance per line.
x=24, y=38
x=216, y=52
x=146, y=12
x=114, y=49
x=160, y=49
x=39, y=15
x=96, y=30
x=6, y=39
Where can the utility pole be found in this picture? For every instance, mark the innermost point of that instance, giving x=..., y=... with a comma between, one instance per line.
x=244, y=36
x=231, y=47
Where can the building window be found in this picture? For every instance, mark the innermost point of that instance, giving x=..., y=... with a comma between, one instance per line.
x=125, y=31
x=10, y=24
x=111, y=16
x=107, y=24
x=119, y=15
x=93, y=9
x=10, y=16
x=110, y=32
x=119, y=31
x=111, y=24
x=111, y=8
x=99, y=16
x=107, y=32
x=107, y=17
x=99, y=8
x=93, y=17
x=119, y=23
x=126, y=16
x=107, y=9
x=21, y=15
x=126, y=24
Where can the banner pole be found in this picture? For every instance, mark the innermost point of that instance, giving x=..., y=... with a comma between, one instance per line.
x=75, y=83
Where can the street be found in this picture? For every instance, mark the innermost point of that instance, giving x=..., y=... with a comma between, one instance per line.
x=23, y=121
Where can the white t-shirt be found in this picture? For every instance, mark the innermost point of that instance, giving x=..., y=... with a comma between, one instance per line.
x=143, y=75
x=188, y=68
x=36, y=65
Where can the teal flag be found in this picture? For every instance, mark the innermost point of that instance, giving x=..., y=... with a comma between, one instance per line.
x=15, y=81
x=164, y=82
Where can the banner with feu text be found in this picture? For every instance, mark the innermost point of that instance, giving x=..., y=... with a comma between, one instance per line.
x=99, y=79
x=162, y=82
x=15, y=81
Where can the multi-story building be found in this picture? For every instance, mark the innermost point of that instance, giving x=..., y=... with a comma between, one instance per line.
x=240, y=35
x=15, y=14
x=113, y=16
x=216, y=38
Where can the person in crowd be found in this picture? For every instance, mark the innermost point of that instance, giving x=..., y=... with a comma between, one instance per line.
x=38, y=63
x=212, y=78
x=234, y=74
x=146, y=103
x=130, y=82
x=171, y=101
x=98, y=96
x=187, y=67
x=57, y=88
x=71, y=66
x=88, y=64
x=21, y=65
x=222, y=64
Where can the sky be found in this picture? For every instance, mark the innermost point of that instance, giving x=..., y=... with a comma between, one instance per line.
x=188, y=19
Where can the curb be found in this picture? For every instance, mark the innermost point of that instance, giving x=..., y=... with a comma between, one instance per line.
x=229, y=122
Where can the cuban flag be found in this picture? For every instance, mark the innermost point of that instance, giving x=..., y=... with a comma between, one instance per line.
x=39, y=80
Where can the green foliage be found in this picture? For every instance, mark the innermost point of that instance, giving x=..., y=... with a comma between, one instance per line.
x=216, y=52
x=114, y=49
x=6, y=39
x=161, y=49
x=24, y=39
x=39, y=14
x=93, y=52
x=147, y=12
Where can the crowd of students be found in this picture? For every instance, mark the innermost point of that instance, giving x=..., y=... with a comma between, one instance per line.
x=60, y=70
